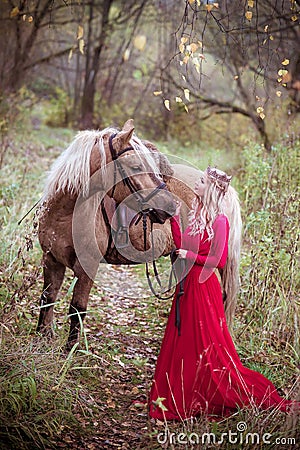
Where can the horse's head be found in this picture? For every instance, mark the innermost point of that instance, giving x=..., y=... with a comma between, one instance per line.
x=136, y=178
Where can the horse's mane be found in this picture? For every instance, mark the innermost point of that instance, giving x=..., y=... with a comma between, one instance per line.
x=70, y=173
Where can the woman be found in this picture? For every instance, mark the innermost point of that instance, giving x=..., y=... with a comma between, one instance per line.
x=198, y=370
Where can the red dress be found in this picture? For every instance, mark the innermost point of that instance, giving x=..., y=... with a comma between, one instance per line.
x=198, y=370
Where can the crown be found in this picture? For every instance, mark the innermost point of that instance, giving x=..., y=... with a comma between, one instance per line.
x=220, y=178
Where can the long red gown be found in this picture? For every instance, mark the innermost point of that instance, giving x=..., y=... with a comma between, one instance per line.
x=198, y=370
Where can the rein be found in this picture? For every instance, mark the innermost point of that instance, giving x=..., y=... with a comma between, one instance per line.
x=154, y=265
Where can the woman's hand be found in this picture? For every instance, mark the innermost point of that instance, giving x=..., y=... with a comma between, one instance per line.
x=181, y=252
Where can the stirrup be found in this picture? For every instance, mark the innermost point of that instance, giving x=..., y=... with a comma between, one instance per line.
x=121, y=237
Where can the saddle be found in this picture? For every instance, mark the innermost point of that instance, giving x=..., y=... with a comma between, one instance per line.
x=118, y=219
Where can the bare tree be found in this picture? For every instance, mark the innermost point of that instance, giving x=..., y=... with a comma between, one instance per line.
x=255, y=44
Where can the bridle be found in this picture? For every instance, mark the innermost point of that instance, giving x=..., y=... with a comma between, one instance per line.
x=140, y=199
x=144, y=211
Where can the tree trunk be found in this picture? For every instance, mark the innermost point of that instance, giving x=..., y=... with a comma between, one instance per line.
x=92, y=67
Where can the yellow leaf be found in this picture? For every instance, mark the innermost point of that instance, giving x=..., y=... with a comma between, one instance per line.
x=178, y=99
x=167, y=104
x=14, y=12
x=209, y=7
x=70, y=55
x=191, y=2
x=157, y=93
x=126, y=54
x=186, y=108
x=262, y=116
x=282, y=72
x=250, y=3
x=236, y=77
x=271, y=38
x=216, y=5
x=294, y=18
x=184, y=40
x=266, y=28
x=278, y=93
x=24, y=17
x=140, y=42
x=181, y=47
x=285, y=62
x=197, y=67
x=80, y=32
x=259, y=109
x=81, y=46
x=30, y=19
x=193, y=47
x=187, y=94
x=249, y=15
x=186, y=59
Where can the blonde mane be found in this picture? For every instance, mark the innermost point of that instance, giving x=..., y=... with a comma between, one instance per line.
x=70, y=173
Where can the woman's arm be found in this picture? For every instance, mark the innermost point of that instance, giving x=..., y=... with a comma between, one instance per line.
x=175, y=228
x=219, y=247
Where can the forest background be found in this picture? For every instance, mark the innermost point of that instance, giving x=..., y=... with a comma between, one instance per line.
x=209, y=82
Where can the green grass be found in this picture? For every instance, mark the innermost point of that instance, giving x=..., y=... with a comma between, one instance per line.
x=49, y=399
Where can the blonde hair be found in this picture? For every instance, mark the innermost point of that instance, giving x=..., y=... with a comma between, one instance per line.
x=205, y=210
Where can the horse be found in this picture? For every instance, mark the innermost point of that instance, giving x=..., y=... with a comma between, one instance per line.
x=108, y=162
x=67, y=243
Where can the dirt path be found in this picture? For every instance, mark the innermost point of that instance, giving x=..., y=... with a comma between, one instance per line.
x=123, y=329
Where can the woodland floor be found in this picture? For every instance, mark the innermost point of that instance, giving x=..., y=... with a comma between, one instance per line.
x=127, y=345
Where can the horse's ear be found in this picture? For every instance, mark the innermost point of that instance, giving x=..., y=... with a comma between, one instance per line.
x=122, y=139
x=128, y=125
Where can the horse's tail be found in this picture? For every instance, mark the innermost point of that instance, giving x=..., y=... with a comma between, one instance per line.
x=230, y=274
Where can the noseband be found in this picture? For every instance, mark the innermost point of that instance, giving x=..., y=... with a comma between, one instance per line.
x=141, y=200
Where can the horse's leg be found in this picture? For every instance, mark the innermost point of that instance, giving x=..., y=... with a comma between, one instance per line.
x=54, y=273
x=78, y=304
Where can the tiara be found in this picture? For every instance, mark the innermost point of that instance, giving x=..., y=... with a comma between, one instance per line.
x=221, y=179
